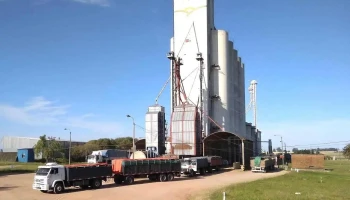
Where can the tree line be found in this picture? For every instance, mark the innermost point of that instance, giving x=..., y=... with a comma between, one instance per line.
x=53, y=150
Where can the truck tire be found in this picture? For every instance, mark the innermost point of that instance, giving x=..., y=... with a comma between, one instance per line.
x=58, y=188
x=96, y=183
x=162, y=178
x=118, y=180
x=170, y=177
x=192, y=173
x=129, y=180
x=202, y=172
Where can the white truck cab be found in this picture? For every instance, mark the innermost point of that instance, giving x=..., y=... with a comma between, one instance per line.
x=188, y=166
x=47, y=175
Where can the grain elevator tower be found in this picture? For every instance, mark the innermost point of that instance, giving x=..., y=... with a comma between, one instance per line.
x=207, y=79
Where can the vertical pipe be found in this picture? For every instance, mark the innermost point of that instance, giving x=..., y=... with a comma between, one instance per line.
x=70, y=144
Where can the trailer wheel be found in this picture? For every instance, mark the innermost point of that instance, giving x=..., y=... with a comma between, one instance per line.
x=162, y=178
x=170, y=177
x=96, y=183
x=58, y=188
x=129, y=180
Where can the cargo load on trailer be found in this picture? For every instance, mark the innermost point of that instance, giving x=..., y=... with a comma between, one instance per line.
x=262, y=164
x=156, y=169
x=57, y=178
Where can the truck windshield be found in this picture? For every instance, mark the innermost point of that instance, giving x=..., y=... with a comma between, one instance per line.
x=91, y=156
x=42, y=171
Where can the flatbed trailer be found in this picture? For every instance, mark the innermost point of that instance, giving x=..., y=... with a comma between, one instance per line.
x=156, y=169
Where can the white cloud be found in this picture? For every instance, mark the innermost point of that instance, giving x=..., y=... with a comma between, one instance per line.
x=42, y=112
x=104, y=3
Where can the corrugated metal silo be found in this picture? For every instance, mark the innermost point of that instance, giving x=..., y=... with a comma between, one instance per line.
x=185, y=133
x=230, y=88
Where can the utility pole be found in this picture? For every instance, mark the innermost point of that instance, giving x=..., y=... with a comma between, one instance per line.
x=282, y=148
x=70, y=144
x=133, y=136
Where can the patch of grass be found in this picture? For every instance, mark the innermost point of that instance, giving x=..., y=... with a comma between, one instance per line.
x=17, y=168
x=303, y=185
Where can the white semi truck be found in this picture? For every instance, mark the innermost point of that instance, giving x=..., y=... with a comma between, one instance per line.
x=57, y=178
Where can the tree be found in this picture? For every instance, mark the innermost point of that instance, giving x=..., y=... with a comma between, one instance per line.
x=295, y=150
x=279, y=149
x=346, y=151
x=124, y=143
x=273, y=150
x=49, y=149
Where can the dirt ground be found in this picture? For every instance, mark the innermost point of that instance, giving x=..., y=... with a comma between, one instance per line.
x=19, y=187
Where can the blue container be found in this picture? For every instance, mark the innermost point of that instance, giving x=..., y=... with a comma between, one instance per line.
x=25, y=155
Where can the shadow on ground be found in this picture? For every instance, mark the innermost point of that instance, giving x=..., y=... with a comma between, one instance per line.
x=7, y=188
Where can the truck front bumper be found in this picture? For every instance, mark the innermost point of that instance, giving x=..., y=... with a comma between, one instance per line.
x=40, y=187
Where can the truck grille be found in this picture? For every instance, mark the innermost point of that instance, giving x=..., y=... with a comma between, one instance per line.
x=39, y=181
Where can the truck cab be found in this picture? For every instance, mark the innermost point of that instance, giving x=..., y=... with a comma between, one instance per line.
x=188, y=166
x=47, y=175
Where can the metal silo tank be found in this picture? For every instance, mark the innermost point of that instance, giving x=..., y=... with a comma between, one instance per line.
x=235, y=91
x=220, y=111
x=230, y=87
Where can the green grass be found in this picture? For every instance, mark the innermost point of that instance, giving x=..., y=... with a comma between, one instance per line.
x=310, y=185
x=17, y=168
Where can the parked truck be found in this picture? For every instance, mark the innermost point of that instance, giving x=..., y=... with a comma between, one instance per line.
x=57, y=178
x=107, y=155
x=214, y=163
x=193, y=165
x=262, y=164
x=156, y=169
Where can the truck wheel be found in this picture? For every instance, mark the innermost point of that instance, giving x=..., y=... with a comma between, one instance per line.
x=162, y=178
x=96, y=183
x=58, y=188
x=202, y=172
x=192, y=173
x=129, y=180
x=170, y=177
x=118, y=180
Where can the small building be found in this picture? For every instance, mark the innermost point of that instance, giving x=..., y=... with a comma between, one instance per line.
x=25, y=155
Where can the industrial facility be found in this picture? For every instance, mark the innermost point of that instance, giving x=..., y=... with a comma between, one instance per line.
x=12, y=144
x=208, y=111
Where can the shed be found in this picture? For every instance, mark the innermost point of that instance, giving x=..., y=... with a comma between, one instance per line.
x=25, y=155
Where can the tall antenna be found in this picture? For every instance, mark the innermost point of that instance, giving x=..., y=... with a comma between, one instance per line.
x=252, y=102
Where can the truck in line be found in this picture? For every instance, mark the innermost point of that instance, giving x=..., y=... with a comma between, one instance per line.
x=156, y=169
x=106, y=156
x=262, y=164
x=193, y=165
x=57, y=178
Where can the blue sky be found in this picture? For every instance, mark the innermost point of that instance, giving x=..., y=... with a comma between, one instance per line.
x=86, y=64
